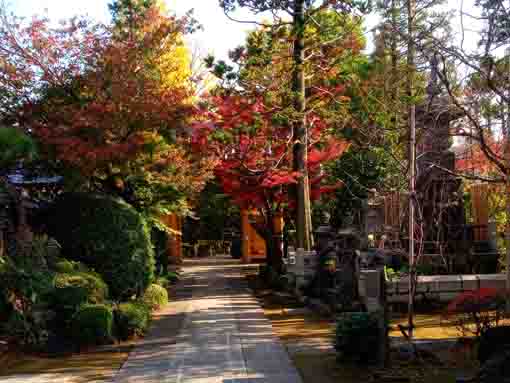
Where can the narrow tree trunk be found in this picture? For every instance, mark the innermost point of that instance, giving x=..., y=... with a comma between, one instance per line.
x=412, y=159
x=507, y=137
x=302, y=195
x=507, y=233
x=394, y=60
x=274, y=255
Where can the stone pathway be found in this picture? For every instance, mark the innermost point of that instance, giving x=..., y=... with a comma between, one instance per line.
x=215, y=332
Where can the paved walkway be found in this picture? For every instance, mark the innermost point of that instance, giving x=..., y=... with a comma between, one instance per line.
x=214, y=332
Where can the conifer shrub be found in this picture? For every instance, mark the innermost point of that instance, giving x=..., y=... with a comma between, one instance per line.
x=131, y=319
x=109, y=236
x=93, y=325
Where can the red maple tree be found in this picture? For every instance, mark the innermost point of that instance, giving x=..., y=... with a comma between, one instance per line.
x=255, y=149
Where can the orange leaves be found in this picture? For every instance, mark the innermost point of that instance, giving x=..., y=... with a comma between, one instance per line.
x=473, y=158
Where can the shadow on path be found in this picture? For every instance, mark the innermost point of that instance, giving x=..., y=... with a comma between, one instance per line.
x=213, y=331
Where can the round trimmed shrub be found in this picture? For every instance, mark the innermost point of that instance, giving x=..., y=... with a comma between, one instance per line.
x=93, y=325
x=78, y=287
x=357, y=337
x=67, y=266
x=64, y=266
x=155, y=296
x=109, y=236
x=131, y=319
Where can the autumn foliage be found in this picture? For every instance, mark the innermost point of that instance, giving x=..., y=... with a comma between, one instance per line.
x=104, y=105
x=256, y=152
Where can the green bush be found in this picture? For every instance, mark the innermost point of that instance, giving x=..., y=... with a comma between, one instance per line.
x=93, y=325
x=155, y=296
x=29, y=327
x=76, y=288
x=109, y=236
x=29, y=286
x=357, y=337
x=162, y=281
x=67, y=266
x=159, y=240
x=131, y=318
x=64, y=266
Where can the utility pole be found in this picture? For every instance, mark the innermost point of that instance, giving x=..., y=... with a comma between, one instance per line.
x=300, y=149
x=411, y=51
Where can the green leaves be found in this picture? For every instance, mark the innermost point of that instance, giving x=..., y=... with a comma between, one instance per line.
x=15, y=145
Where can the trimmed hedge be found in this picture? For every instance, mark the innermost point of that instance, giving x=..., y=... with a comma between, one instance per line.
x=71, y=290
x=155, y=296
x=109, y=236
x=64, y=266
x=93, y=325
x=79, y=287
x=131, y=319
x=357, y=337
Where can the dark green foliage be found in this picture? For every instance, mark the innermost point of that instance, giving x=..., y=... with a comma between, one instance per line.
x=29, y=328
x=155, y=296
x=131, y=319
x=107, y=235
x=360, y=170
x=357, y=337
x=15, y=145
x=5, y=306
x=93, y=325
x=216, y=212
x=493, y=341
x=67, y=266
x=24, y=280
x=30, y=286
x=159, y=240
x=64, y=266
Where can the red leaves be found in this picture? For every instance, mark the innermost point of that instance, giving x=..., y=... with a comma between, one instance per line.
x=476, y=300
x=332, y=150
x=279, y=178
x=256, y=166
x=473, y=158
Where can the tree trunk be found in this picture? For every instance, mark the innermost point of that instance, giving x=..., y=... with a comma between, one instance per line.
x=273, y=253
x=302, y=190
x=412, y=159
x=507, y=136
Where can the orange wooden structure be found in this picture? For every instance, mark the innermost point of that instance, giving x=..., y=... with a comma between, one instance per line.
x=253, y=245
x=480, y=210
x=174, y=245
x=394, y=205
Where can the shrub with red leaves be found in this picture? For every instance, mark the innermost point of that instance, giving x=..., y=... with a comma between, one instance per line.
x=473, y=312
